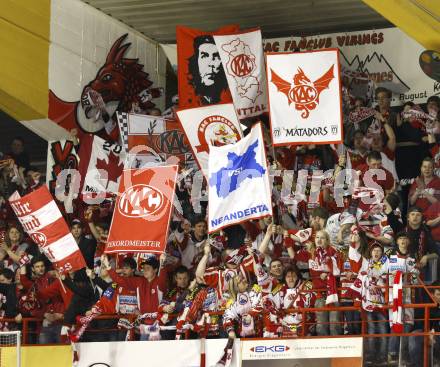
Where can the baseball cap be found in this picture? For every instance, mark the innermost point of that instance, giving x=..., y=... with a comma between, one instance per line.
x=415, y=209
x=75, y=221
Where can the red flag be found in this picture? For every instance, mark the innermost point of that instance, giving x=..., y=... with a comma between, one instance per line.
x=201, y=77
x=142, y=211
x=42, y=220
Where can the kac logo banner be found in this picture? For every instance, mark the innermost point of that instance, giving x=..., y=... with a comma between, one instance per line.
x=242, y=58
x=305, y=97
x=215, y=125
x=238, y=179
x=142, y=211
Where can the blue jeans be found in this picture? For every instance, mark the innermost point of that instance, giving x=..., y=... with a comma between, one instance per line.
x=50, y=334
x=415, y=348
x=352, y=319
x=323, y=318
x=393, y=347
x=377, y=324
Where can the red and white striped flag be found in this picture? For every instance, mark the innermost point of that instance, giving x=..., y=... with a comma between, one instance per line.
x=43, y=222
x=397, y=324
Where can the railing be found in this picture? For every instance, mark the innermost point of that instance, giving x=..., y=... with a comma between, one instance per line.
x=426, y=333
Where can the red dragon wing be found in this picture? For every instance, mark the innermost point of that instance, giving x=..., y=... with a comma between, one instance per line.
x=323, y=82
x=282, y=85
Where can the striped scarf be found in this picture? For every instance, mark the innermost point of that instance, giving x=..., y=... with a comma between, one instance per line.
x=397, y=324
x=327, y=256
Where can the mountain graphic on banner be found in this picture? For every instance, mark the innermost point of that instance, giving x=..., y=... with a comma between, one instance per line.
x=372, y=64
x=228, y=179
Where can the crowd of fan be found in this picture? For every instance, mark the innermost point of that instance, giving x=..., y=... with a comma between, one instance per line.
x=309, y=254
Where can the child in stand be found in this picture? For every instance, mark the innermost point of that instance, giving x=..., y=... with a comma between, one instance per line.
x=293, y=293
x=369, y=287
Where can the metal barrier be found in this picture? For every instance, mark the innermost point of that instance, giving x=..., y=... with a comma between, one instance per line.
x=426, y=333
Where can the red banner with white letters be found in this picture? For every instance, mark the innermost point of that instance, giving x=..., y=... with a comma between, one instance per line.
x=42, y=220
x=142, y=211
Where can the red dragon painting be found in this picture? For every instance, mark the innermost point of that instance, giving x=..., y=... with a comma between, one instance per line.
x=118, y=84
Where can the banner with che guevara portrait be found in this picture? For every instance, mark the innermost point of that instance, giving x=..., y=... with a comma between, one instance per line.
x=201, y=77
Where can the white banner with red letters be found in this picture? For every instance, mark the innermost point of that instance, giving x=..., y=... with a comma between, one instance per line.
x=42, y=220
x=243, y=61
x=101, y=164
x=142, y=211
x=239, y=187
x=214, y=125
x=305, y=97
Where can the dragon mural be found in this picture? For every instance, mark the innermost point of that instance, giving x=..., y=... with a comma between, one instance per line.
x=119, y=84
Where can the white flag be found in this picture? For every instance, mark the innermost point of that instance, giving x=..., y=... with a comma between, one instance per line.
x=239, y=187
x=101, y=164
x=305, y=97
x=243, y=61
x=215, y=125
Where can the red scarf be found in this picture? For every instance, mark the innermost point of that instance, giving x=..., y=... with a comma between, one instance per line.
x=323, y=256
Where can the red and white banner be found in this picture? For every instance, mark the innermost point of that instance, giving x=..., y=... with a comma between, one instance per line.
x=101, y=164
x=360, y=114
x=42, y=220
x=215, y=125
x=142, y=211
x=305, y=97
x=243, y=62
x=163, y=137
x=61, y=155
x=201, y=78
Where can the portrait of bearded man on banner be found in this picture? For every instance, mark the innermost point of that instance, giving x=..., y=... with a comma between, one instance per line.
x=206, y=72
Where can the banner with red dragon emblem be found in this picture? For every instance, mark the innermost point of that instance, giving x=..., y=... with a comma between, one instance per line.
x=119, y=84
x=305, y=97
x=201, y=77
x=243, y=61
x=215, y=125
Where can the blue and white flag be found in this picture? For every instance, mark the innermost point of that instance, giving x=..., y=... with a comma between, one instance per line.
x=238, y=178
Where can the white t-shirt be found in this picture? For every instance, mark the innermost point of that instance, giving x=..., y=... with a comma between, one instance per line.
x=333, y=225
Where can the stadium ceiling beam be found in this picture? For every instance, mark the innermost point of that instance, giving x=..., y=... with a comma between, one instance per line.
x=419, y=19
